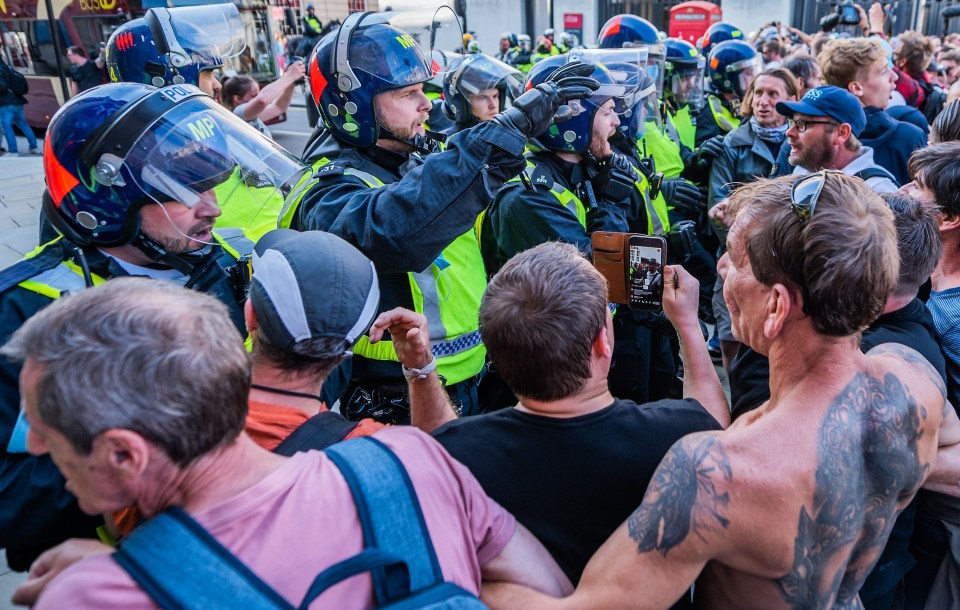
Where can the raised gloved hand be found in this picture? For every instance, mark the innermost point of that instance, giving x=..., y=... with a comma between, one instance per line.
x=615, y=179
x=679, y=193
x=710, y=149
x=535, y=110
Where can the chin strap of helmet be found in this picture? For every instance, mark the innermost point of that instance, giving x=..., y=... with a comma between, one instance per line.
x=184, y=262
x=423, y=144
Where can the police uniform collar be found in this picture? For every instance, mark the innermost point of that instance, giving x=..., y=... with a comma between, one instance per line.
x=386, y=159
x=571, y=173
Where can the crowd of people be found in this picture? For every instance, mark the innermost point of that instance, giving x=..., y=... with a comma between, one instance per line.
x=233, y=377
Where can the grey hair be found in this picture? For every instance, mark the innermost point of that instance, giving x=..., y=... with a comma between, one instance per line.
x=143, y=355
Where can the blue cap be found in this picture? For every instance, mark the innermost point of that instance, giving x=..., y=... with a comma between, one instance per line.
x=829, y=101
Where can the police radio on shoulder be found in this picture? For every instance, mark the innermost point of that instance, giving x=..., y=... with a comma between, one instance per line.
x=417, y=374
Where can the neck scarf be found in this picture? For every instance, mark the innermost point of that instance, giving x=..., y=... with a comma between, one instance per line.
x=769, y=134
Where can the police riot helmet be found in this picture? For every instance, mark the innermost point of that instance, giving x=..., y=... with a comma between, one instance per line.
x=511, y=38
x=731, y=66
x=574, y=134
x=366, y=56
x=524, y=41
x=114, y=149
x=683, y=73
x=567, y=40
x=630, y=31
x=473, y=75
x=173, y=46
x=627, y=30
x=717, y=33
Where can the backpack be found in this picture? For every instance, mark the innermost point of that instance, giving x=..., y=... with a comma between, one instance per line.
x=876, y=172
x=16, y=82
x=182, y=567
x=319, y=432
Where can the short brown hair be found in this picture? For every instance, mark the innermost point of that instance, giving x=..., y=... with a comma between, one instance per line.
x=539, y=318
x=918, y=240
x=845, y=60
x=937, y=168
x=946, y=127
x=915, y=51
x=843, y=260
x=793, y=88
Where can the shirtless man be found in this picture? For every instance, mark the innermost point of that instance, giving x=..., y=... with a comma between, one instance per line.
x=791, y=506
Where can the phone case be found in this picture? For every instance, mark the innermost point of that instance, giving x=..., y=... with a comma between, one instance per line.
x=610, y=257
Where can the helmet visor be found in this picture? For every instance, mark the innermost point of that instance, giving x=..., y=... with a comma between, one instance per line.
x=197, y=152
x=686, y=85
x=644, y=114
x=625, y=69
x=198, y=34
x=748, y=70
x=480, y=73
x=435, y=31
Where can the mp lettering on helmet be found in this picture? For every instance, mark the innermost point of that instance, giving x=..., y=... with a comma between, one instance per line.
x=202, y=128
x=406, y=41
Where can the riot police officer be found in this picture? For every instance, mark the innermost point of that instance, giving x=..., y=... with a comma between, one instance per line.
x=176, y=46
x=413, y=214
x=731, y=66
x=133, y=173
x=477, y=89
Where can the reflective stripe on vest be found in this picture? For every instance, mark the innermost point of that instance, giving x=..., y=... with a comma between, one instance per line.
x=292, y=203
x=564, y=195
x=658, y=222
x=724, y=118
x=454, y=333
x=62, y=279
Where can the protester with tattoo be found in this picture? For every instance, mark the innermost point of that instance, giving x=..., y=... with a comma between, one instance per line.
x=791, y=506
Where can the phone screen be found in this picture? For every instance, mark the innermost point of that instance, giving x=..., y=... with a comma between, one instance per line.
x=645, y=272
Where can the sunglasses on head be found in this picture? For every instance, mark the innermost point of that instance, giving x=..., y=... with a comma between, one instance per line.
x=806, y=191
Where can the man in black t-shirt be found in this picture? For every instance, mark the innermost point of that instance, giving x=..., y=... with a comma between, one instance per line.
x=570, y=461
x=84, y=73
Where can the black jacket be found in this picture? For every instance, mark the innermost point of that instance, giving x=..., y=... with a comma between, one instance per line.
x=7, y=96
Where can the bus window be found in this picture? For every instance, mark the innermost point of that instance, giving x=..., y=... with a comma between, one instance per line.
x=34, y=35
x=15, y=51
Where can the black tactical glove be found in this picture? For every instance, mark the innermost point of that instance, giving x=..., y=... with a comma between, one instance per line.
x=710, y=148
x=679, y=193
x=535, y=110
x=615, y=179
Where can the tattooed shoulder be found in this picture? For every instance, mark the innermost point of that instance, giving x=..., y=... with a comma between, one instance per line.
x=687, y=495
x=868, y=464
x=913, y=357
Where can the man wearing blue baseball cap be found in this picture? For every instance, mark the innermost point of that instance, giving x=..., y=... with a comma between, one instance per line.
x=824, y=126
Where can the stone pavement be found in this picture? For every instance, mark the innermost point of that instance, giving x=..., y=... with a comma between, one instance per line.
x=21, y=189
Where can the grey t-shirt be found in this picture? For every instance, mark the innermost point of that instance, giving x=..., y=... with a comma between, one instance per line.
x=241, y=109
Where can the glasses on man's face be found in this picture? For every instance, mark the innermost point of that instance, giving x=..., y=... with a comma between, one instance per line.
x=806, y=191
x=802, y=124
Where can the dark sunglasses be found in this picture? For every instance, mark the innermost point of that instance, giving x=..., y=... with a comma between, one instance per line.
x=805, y=193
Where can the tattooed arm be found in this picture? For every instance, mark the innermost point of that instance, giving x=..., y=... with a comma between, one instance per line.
x=653, y=558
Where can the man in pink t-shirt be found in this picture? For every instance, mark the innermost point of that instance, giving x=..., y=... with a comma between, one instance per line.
x=154, y=418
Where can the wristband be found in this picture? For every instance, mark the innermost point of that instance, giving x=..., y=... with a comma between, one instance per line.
x=416, y=374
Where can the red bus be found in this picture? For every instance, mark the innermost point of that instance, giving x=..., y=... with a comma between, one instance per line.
x=28, y=45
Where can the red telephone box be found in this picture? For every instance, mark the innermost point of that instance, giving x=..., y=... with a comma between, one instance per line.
x=689, y=20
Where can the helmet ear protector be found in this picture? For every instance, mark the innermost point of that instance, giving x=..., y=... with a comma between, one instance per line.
x=346, y=78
